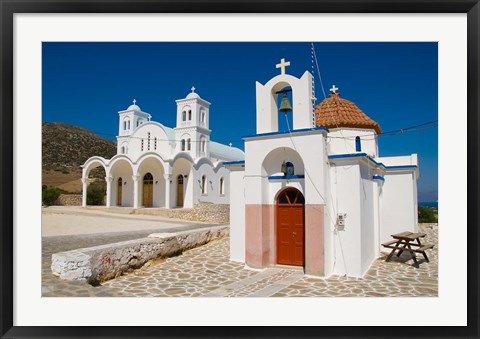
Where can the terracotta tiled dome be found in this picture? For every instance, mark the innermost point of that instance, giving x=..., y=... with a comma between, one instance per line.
x=337, y=112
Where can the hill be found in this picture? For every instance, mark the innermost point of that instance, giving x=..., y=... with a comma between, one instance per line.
x=65, y=148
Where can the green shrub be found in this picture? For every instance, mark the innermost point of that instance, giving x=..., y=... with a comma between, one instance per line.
x=427, y=214
x=95, y=195
x=50, y=195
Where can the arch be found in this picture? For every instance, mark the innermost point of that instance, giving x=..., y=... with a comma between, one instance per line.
x=204, y=160
x=272, y=163
x=92, y=163
x=121, y=167
x=151, y=155
x=290, y=227
x=182, y=196
x=185, y=156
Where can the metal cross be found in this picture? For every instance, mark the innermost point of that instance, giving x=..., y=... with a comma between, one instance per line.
x=282, y=65
x=334, y=89
x=134, y=101
x=193, y=89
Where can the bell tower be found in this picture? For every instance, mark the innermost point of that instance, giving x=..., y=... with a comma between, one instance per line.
x=300, y=108
x=192, y=133
x=128, y=121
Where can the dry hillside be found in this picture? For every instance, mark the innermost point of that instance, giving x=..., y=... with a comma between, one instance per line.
x=65, y=148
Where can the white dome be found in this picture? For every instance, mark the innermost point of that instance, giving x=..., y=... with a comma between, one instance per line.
x=193, y=95
x=134, y=108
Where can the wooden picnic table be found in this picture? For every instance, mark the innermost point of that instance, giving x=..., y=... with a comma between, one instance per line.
x=408, y=241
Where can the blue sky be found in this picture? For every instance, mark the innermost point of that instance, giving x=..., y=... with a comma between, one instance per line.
x=396, y=84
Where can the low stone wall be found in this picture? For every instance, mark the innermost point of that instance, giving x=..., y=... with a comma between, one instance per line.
x=212, y=213
x=69, y=200
x=100, y=263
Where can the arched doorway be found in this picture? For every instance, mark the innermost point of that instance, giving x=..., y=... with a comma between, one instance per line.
x=180, y=190
x=290, y=226
x=148, y=190
x=119, y=191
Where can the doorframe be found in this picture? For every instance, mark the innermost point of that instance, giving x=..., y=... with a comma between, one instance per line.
x=277, y=197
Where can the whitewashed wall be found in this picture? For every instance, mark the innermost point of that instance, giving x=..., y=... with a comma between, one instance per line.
x=398, y=204
x=237, y=214
x=342, y=141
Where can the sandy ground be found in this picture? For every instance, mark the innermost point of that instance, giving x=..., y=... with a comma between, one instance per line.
x=63, y=220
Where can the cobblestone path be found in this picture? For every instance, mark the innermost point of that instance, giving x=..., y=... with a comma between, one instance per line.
x=206, y=271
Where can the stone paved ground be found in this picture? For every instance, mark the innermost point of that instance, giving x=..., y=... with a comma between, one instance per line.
x=206, y=271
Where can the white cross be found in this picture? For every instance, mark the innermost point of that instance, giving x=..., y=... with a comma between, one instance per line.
x=134, y=101
x=282, y=65
x=230, y=144
x=334, y=89
x=193, y=89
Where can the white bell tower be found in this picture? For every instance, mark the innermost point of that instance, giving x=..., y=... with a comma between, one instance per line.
x=128, y=121
x=192, y=133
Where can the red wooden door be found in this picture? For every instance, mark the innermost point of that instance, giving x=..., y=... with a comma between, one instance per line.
x=290, y=216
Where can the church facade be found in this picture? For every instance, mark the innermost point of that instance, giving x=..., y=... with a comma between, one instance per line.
x=318, y=195
x=158, y=166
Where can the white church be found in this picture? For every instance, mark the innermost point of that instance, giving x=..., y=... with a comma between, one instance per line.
x=318, y=195
x=158, y=166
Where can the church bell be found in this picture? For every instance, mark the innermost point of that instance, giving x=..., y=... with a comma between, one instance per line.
x=285, y=105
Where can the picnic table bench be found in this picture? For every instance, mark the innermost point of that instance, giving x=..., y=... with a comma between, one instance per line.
x=410, y=242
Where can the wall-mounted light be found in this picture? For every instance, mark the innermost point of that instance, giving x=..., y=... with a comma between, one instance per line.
x=125, y=183
x=171, y=181
x=185, y=176
x=156, y=182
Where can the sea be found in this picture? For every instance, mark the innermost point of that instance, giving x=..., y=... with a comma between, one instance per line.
x=429, y=204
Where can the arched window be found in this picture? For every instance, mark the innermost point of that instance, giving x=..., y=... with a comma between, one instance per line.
x=184, y=116
x=138, y=122
x=189, y=144
x=183, y=145
x=222, y=186
x=123, y=150
x=124, y=125
x=203, y=145
x=358, y=144
x=204, y=184
x=189, y=115
x=202, y=118
x=128, y=124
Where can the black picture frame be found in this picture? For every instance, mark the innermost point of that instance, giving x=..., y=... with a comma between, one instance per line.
x=10, y=7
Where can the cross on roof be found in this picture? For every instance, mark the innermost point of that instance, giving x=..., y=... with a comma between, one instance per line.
x=282, y=65
x=134, y=101
x=334, y=89
x=230, y=144
x=193, y=89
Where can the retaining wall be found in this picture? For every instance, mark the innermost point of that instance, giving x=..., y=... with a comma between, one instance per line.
x=69, y=200
x=100, y=263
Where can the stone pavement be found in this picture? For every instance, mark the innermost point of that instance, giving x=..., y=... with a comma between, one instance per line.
x=207, y=272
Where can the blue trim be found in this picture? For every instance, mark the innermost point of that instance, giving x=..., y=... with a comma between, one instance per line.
x=377, y=177
x=286, y=177
x=234, y=162
x=358, y=155
x=403, y=166
x=286, y=132
x=349, y=155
